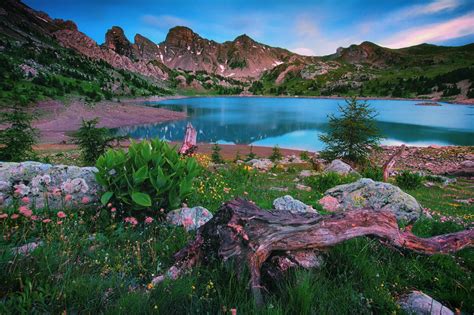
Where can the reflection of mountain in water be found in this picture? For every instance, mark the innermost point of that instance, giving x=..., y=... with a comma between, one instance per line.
x=248, y=124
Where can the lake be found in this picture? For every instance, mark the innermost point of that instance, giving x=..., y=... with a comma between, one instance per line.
x=297, y=122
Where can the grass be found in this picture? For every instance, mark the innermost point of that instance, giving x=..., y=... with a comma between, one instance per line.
x=93, y=264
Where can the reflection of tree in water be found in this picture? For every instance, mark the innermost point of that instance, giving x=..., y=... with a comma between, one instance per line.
x=245, y=125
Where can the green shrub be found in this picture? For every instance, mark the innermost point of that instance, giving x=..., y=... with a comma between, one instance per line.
x=18, y=139
x=216, y=154
x=323, y=182
x=304, y=156
x=373, y=172
x=93, y=141
x=353, y=134
x=150, y=176
x=250, y=155
x=276, y=154
x=408, y=180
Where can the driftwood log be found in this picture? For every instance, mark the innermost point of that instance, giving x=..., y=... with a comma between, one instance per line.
x=189, y=143
x=391, y=162
x=251, y=236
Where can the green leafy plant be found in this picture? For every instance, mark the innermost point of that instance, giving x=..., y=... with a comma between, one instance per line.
x=93, y=141
x=17, y=140
x=216, y=156
x=409, y=180
x=304, y=156
x=150, y=176
x=276, y=154
x=353, y=134
x=323, y=182
x=237, y=156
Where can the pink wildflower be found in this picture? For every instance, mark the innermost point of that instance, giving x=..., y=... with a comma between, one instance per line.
x=14, y=216
x=148, y=220
x=56, y=192
x=113, y=209
x=68, y=197
x=187, y=222
x=25, y=211
x=3, y=216
x=109, y=205
x=61, y=215
x=25, y=200
x=59, y=222
x=46, y=220
x=85, y=200
x=34, y=217
x=131, y=220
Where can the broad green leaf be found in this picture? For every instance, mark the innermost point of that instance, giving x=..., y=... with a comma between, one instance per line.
x=106, y=197
x=141, y=199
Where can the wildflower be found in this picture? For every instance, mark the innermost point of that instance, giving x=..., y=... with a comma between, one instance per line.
x=85, y=200
x=59, y=222
x=56, y=192
x=68, y=197
x=14, y=216
x=25, y=211
x=149, y=286
x=3, y=216
x=61, y=215
x=109, y=205
x=46, y=220
x=21, y=190
x=226, y=190
x=34, y=218
x=113, y=209
x=25, y=200
x=148, y=220
x=131, y=220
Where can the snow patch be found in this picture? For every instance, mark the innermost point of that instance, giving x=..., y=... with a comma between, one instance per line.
x=277, y=63
x=222, y=68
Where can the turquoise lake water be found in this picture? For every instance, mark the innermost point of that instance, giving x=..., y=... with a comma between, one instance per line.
x=297, y=122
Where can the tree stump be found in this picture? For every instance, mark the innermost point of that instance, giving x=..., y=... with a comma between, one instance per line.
x=189, y=143
x=250, y=236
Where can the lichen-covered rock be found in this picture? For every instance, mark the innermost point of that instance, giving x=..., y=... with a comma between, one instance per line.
x=41, y=185
x=330, y=203
x=261, y=164
x=189, y=218
x=337, y=166
x=366, y=193
x=419, y=303
x=288, y=203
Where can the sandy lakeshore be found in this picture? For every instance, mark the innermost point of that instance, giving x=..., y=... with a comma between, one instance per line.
x=57, y=119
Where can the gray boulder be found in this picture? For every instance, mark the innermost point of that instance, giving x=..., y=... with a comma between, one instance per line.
x=189, y=218
x=45, y=184
x=419, y=303
x=337, y=166
x=261, y=164
x=288, y=203
x=366, y=193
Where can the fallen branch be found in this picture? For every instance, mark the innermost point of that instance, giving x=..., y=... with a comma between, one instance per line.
x=243, y=232
x=391, y=162
x=189, y=143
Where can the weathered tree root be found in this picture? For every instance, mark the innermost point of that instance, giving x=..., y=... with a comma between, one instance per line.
x=387, y=167
x=249, y=235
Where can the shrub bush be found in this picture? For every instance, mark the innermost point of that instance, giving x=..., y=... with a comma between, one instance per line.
x=408, y=180
x=216, y=154
x=150, y=176
x=276, y=154
x=373, y=172
x=93, y=141
x=323, y=182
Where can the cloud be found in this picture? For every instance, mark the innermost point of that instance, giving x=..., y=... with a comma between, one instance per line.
x=305, y=27
x=432, y=33
x=303, y=51
x=163, y=21
x=434, y=7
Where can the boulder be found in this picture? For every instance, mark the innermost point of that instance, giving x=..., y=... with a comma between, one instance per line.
x=190, y=218
x=303, y=187
x=366, y=193
x=306, y=173
x=337, y=166
x=288, y=203
x=56, y=186
x=330, y=203
x=419, y=303
x=261, y=164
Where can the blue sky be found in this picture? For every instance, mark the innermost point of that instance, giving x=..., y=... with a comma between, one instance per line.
x=307, y=27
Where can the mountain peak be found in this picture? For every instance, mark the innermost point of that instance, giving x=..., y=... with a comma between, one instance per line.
x=179, y=35
x=116, y=40
x=243, y=38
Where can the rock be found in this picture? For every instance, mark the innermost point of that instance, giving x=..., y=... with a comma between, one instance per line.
x=306, y=173
x=467, y=163
x=55, y=186
x=303, y=187
x=27, y=248
x=261, y=164
x=330, y=203
x=279, y=188
x=291, y=159
x=288, y=203
x=419, y=303
x=366, y=193
x=337, y=166
x=190, y=218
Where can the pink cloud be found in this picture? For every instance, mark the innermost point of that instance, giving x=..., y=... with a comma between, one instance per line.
x=432, y=33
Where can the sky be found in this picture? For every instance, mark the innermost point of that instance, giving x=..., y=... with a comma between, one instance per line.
x=316, y=27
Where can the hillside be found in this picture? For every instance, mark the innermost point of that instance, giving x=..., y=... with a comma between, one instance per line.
x=51, y=58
